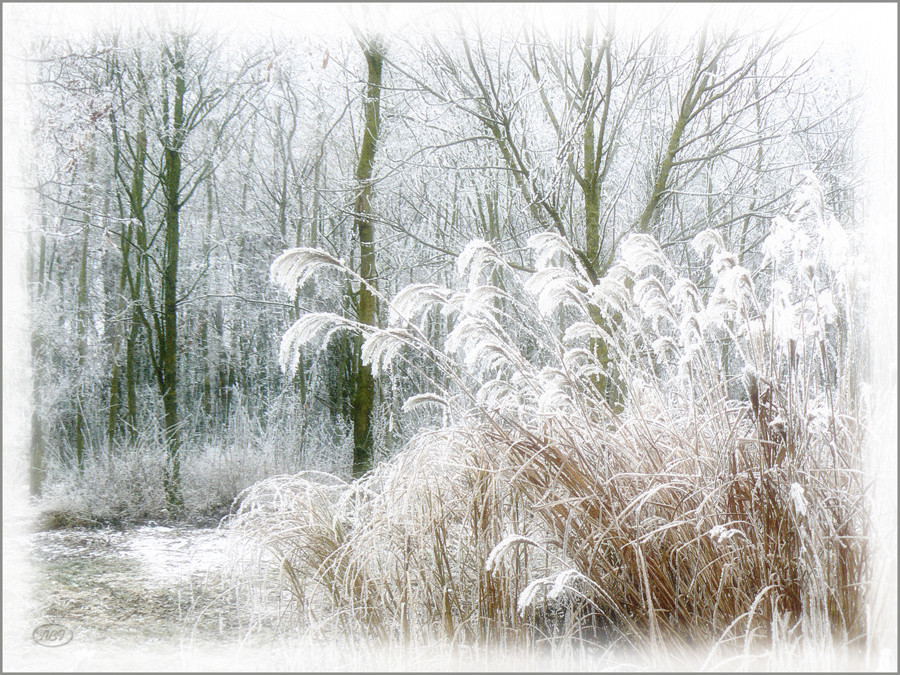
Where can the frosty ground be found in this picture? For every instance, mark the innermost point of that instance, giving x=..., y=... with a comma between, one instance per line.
x=182, y=598
x=160, y=597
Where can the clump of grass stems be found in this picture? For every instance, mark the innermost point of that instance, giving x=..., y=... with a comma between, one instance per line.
x=640, y=462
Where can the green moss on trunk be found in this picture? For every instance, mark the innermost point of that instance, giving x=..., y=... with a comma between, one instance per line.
x=367, y=309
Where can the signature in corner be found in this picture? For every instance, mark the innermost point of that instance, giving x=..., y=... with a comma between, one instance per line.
x=52, y=635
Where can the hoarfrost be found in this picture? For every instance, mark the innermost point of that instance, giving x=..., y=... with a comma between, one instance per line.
x=547, y=245
x=826, y=308
x=414, y=402
x=835, y=243
x=296, y=265
x=685, y=295
x=652, y=299
x=797, y=495
x=529, y=595
x=611, y=290
x=722, y=260
x=564, y=581
x=305, y=330
x=663, y=345
x=818, y=416
x=640, y=251
x=382, y=346
x=580, y=362
x=785, y=321
x=416, y=299
x=558, y=585
x=721, y=533
x=581, y=331
x=778, y=240
x=555, y=288
x=708, y=239
x=477, y=260
x=505, y=544
x=554, y=393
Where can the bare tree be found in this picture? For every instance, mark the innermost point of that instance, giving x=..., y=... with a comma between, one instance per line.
x=170, y=96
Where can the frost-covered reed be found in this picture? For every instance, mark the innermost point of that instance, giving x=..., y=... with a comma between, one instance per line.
x=640, y=462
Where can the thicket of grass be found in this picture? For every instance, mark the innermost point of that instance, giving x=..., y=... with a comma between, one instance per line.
x=711, y=494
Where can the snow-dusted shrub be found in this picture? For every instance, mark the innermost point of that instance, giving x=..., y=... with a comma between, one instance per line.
x=119, y=486
x=214, y=476
x=125, y=483
x=716, y=496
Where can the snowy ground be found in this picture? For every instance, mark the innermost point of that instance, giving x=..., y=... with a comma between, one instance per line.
x=160, y=598
x=183, y=598
x=146, y=598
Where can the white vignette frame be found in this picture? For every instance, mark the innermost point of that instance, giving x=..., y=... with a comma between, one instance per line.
x=871, y=28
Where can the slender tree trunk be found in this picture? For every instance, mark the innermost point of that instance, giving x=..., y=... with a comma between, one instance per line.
x=168, y=342
x=661, y=184
x=115, y=395
x=364, y=395
x=80, y=422
x=117, y=338
x=607, y=382
x=689, y=103
x=206, y=390
x=83, y=318
x=136, y=229
x=36, y=276
x=36, y=469
x=590, y=185
x=130, y=387
x=316, y=215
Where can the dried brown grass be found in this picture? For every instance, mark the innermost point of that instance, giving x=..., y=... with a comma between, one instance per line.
x=686, y=536
x=718, y=505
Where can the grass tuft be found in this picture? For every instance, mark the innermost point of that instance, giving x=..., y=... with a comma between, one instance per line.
x=637, y=464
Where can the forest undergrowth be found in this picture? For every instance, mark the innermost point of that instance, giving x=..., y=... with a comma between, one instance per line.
x=126, y=484
x=641, y=463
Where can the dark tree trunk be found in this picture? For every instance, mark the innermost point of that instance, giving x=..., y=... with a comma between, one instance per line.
x=83, y=319
x=135, y=275
x=168, y=342
x=364, y=394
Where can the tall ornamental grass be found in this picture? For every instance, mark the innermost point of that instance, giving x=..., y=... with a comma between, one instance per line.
x=645, y=461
